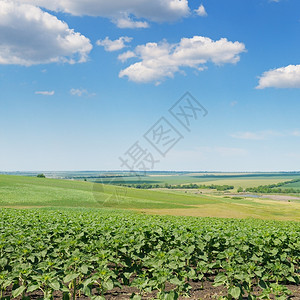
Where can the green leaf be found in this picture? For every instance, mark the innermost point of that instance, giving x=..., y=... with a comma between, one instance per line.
x=6, y=283
x=64, y=289
x=235, y=292
x=127, y=275
x=88, y=281
x=175, y=281
x=54, y=285
x=3, y=262
x=98, y=298
x=84, y=269
x=18, y=291
x=258, y=273
x=291, y=279
x=32, y=258
x=220, y=279
x=135, y=297
x=171, y=296
x=191, y=249
x=47, y=297
x=87, y=291
x=108, y=285
x=70, y=277
x=283, y=297
x=33, y=288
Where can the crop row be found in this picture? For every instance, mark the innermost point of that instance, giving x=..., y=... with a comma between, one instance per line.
x=89, y=253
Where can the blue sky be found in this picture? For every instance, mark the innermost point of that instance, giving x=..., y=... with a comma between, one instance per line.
x=70, y=100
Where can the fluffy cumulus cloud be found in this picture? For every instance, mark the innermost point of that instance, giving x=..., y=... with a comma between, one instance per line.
x=163, y=60
x=154, y=10
x=115, y=45
x=200, y=11
x=30, y=36
x=126, y=55
x=285, y=77
x=126, y=22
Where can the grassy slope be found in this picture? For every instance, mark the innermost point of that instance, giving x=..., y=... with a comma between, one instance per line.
x=31, y=191
x=17, y=191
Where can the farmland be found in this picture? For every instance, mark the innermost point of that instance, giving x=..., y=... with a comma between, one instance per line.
x=238, y=180
x=76, y=239
x=295, y=185
x=31, y=192
x=97, y=255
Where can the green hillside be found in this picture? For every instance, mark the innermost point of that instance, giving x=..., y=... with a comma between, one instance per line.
x=32, y=192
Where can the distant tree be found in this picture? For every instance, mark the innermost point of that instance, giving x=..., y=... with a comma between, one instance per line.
x=41, y=175
x=240, y=190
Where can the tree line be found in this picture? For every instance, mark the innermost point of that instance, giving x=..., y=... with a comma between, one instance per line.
x=272, y=188
x=179, y=186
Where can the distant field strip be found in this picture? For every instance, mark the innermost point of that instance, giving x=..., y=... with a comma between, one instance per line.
x=244, y=181
x=25, y=192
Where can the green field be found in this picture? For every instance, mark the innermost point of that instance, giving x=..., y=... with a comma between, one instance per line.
x=27, y=192
x=74, y=238
x=238, y=180
x=295, y=185
x=109, y=254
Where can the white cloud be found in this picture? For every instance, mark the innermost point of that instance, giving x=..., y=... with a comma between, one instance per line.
x=159, y=61
x=233, y=103
x=80, y=92
x=249, y=135
x=126, y=22
x=285, y=77
x=115, y=45
x=154, y=10
x=126, y=55
x=201, y=11
x=45, y=93
x=31, y=36
x=265, y=134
